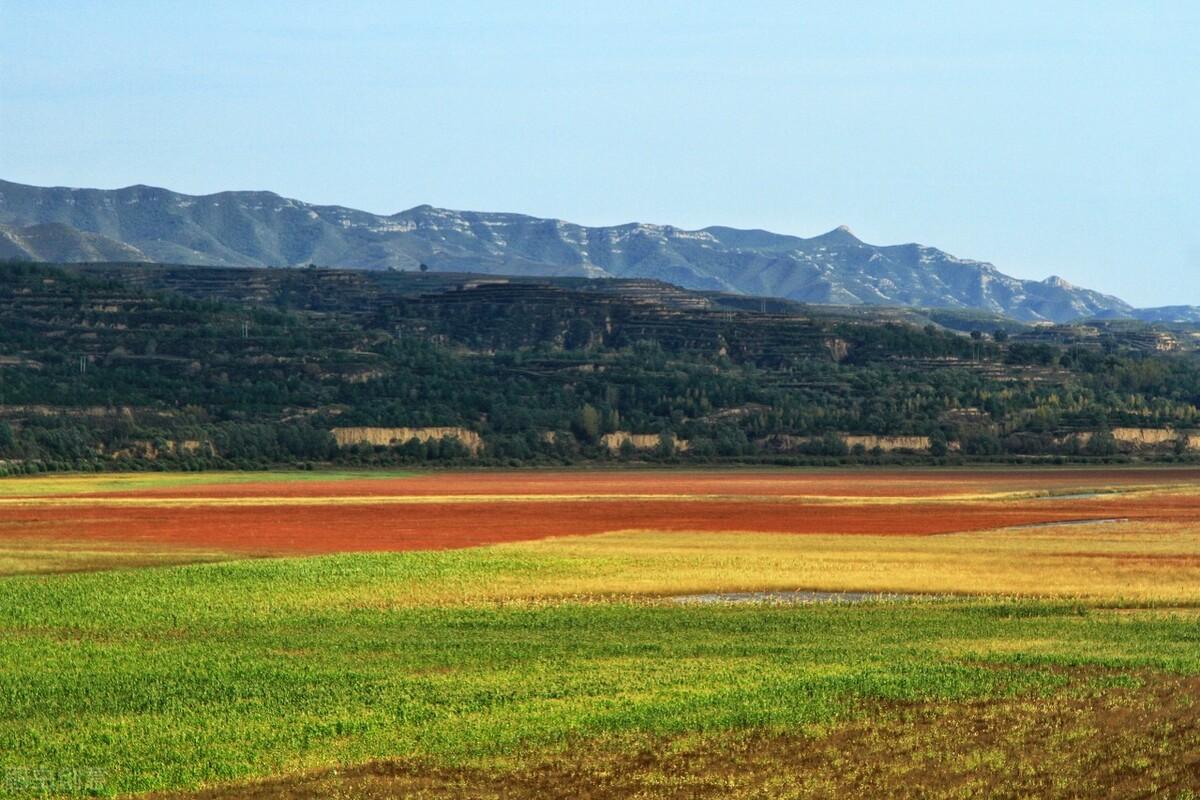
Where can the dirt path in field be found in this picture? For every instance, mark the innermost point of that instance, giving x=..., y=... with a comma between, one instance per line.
x=451, y=510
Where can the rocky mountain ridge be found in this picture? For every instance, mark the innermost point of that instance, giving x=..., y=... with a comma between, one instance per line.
x=265, y=229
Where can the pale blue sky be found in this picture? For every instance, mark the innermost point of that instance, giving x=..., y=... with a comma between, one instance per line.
x=1044, y=137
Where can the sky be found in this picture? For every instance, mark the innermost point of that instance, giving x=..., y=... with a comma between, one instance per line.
x=1048, y=138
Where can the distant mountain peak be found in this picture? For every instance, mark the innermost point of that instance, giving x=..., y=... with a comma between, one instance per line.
x=840, y=234
x=264, y=229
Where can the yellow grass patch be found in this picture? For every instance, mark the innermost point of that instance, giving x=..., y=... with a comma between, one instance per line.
x=1134, y=561
x=37, y=556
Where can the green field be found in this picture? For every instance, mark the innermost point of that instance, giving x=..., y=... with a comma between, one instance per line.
x=174, y=678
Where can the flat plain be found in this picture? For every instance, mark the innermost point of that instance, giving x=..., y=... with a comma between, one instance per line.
x=588, y=634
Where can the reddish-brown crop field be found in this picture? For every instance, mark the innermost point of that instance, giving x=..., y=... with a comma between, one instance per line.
x=825, y=483
x=449, y=510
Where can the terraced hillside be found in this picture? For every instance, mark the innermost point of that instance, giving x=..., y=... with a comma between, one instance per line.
x=120, y=364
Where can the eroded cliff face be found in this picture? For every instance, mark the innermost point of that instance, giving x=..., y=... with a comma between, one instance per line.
x=1136, y=438
x=887, y=444
x=641, y=441
x=1145, y=436
x=345, y=437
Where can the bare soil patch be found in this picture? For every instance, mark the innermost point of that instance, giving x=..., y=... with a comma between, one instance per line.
x=1104, y=736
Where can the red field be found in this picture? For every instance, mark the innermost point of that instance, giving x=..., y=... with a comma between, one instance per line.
x=447, y=510
x=824, y=483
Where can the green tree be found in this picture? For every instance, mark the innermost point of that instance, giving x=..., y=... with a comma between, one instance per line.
x=587, y=424
x=1101, y=443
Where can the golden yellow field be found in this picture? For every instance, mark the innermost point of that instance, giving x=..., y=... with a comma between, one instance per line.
x=1110, y=535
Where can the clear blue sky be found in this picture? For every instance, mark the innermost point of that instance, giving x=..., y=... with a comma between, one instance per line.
x=1045, y=137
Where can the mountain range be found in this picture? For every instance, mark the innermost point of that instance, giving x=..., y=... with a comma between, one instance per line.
x=254, y=228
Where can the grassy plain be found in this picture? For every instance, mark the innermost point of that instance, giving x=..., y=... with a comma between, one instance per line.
x=560, y=667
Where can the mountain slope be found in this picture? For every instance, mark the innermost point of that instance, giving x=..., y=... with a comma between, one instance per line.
x=262, y=228
x=54, y=241
x=1182, y=314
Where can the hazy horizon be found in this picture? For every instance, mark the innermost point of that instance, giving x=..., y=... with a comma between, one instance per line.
x=1043, y=141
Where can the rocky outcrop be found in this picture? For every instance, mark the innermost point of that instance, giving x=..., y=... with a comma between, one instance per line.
x=1145, y=437
x=387, y=437
x=640, y=441
x=1140, y=438
x=783, y=442
x=888, y=443
x=838, y=348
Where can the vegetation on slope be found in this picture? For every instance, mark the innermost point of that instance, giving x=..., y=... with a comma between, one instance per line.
x=145, y=366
